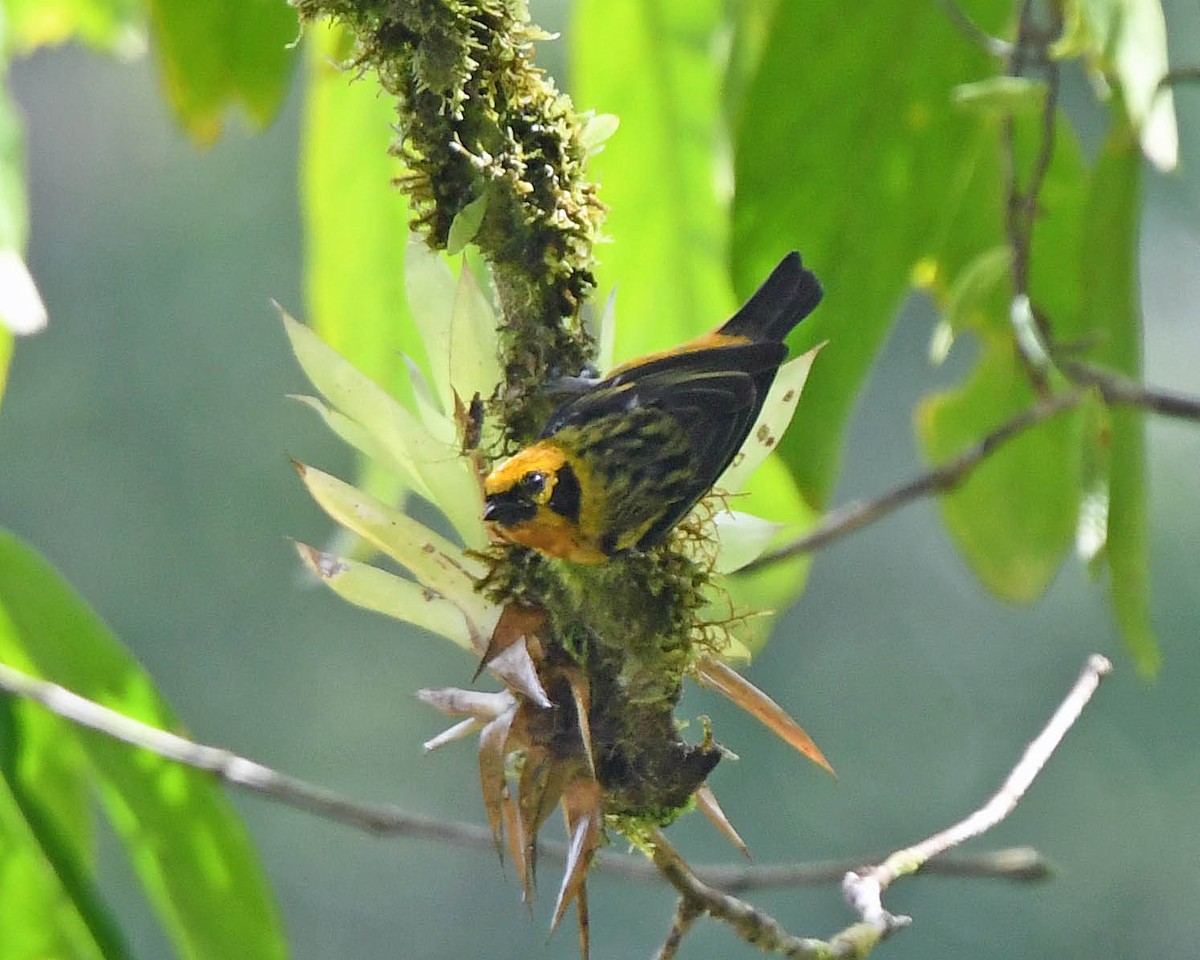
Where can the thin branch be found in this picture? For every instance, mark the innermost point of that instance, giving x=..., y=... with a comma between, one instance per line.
x=863, y=890
x=748, y=922
x=1116, y=389
x=1179, y=75
x=973, y=32
x=942, y=479
x=685, y=915
x=390, y=820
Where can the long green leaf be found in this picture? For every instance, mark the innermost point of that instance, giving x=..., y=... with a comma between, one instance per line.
x=46, y=849
x=861, y=170
x=355, y=221
x=196, y=863
x=653, y=65
x=216, y=54
x=1108, y=266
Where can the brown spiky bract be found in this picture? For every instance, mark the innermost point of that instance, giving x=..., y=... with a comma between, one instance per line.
x=478, y=120
x=632, y=625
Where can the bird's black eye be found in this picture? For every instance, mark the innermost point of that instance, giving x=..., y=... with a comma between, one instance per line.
x=533, y=483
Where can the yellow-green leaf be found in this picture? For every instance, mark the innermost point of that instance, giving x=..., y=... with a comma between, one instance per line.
x=652, y=64
x=373, y=589
x=355, y=220
x=431, y=558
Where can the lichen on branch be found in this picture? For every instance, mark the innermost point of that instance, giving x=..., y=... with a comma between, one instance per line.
x=481, y=126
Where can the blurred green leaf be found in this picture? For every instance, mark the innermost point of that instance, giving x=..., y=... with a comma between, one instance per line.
x=1109, y=268
x=186, y=844
x=112, y=25
x=1014, y=518
x=219, y=53
x=862, y=173
x=355, y=220
x=652, y=64
x=46, y=856
x=14, y=203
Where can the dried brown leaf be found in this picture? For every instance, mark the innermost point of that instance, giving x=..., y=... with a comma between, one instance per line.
x=581, y=810
x=518, y=847
x=581, y=694
x=462, y=729
x=516, y=623
x=728, y=682
x=706, y=800
x=455, y=702
x=493, y=752
x=517, y=670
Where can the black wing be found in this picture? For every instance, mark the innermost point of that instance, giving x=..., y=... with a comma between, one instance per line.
x=710, y=399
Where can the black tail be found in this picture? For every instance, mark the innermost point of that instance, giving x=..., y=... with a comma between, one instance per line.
x=785, y=298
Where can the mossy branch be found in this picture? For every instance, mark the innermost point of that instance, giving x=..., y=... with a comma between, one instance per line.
x=479, y=124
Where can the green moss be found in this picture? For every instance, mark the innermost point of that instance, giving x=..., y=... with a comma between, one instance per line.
x=476, y=115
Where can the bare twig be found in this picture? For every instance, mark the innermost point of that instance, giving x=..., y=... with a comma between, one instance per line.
x=942, y=479
x=390, y=820
x=751, y=924
x=685, y=915
x=1179, y=75
x=973, y=32
x=863, y=890
x=1119, y=390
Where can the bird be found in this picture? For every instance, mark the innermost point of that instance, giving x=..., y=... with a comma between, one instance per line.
x=621, y=461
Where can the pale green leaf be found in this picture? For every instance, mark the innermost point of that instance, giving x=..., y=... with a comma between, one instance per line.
x=432, y=290
x=429, y=409
x=771, y=494
x=390, y=427
x=1002, y=95
x=474, y=361
x=434, y=561
x=465, y=225
x=743, y=538
x=373, y=589
x=772, y=422
x=597, y=130
x=433, y=468
x=353, y=434
x=1133, y=36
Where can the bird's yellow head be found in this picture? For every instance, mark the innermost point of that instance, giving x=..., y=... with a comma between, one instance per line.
x=535, y=499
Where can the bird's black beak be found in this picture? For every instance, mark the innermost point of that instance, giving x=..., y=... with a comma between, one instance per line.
x=507, y=509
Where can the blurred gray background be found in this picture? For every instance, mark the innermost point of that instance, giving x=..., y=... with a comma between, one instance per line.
x=144, y=445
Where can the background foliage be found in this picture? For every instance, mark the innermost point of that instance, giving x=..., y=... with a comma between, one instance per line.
x=143, y=446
